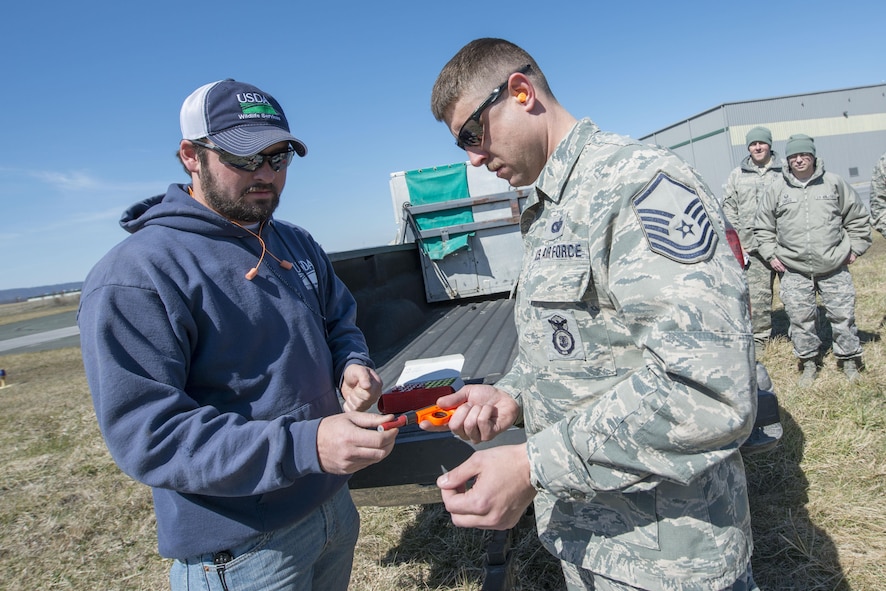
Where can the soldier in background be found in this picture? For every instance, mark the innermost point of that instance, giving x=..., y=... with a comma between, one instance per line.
x=811, y=226
x=635, y=372
x=878, y=195
x=742, y=193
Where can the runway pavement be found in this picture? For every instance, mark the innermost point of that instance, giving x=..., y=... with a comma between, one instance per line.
x=40, y=334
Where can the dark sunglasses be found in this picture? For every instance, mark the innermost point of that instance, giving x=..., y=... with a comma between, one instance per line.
x=471, y=132
x=278, y=160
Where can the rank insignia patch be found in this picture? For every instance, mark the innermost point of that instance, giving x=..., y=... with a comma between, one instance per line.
x=674, y=220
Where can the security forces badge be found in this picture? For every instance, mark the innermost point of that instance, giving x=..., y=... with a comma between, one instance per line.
x=674, y=220
x=565, y=343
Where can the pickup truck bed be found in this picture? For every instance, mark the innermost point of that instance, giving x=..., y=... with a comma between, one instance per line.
x=483, y=331
x=400, y=325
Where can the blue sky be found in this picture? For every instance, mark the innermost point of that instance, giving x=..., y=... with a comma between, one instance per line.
x=93, y=91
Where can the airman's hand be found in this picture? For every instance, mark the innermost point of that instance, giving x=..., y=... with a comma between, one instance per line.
x=485, y=412
x=500, y=494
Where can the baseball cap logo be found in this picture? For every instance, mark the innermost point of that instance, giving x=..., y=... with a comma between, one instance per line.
x=238, y=117
x=253, y=102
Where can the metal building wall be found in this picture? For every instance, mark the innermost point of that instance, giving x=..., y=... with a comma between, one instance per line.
x=701, y=140
x=848, y=125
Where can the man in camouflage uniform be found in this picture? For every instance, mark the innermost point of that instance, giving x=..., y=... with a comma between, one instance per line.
x=878, y=195
x=635, y=375
x=811, y=226
x=742, y=193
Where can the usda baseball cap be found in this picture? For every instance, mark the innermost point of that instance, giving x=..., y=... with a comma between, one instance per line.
x=238, y=117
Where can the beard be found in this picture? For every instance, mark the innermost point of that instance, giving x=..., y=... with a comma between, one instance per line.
x=236, y=207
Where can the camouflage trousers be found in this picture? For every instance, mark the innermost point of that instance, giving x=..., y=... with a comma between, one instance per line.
x=760, y=278
x=579, y=579
x=798, y=293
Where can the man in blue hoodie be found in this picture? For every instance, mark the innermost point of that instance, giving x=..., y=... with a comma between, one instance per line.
x=221, y=350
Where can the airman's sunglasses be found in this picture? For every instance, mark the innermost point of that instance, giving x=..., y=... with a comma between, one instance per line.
x=471, y=132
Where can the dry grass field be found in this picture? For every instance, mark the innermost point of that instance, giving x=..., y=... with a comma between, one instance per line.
x=70, y=520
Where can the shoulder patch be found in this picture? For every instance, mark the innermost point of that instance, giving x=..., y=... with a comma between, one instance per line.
x=674, y=220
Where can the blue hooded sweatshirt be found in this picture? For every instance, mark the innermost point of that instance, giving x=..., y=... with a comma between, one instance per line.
x=208, y=387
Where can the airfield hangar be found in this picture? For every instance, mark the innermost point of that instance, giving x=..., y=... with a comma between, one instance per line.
x=848, y=125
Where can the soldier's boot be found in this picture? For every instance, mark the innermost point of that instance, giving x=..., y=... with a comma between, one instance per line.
x=810, y=372
x=851, y=368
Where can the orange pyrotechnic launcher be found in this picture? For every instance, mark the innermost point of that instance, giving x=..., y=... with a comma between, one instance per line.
x=433, y=414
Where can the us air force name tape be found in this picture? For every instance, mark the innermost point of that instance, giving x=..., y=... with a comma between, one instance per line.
x=561, y=250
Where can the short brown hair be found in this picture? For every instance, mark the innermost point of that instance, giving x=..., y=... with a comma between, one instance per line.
x=478, y=67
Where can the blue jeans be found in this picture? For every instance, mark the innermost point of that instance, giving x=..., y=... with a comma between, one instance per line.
x=314, y=554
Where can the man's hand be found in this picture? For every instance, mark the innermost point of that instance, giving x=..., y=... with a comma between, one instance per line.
x=349, y=442
x=360, y=387
x=485, y=412
x=851, y=258
x=501, y=492
x=777, y=265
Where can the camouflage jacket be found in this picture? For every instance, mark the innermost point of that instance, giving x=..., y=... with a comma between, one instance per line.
x=635, y=371
x=743, y=190
x=878, y=195
x=812, y=226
